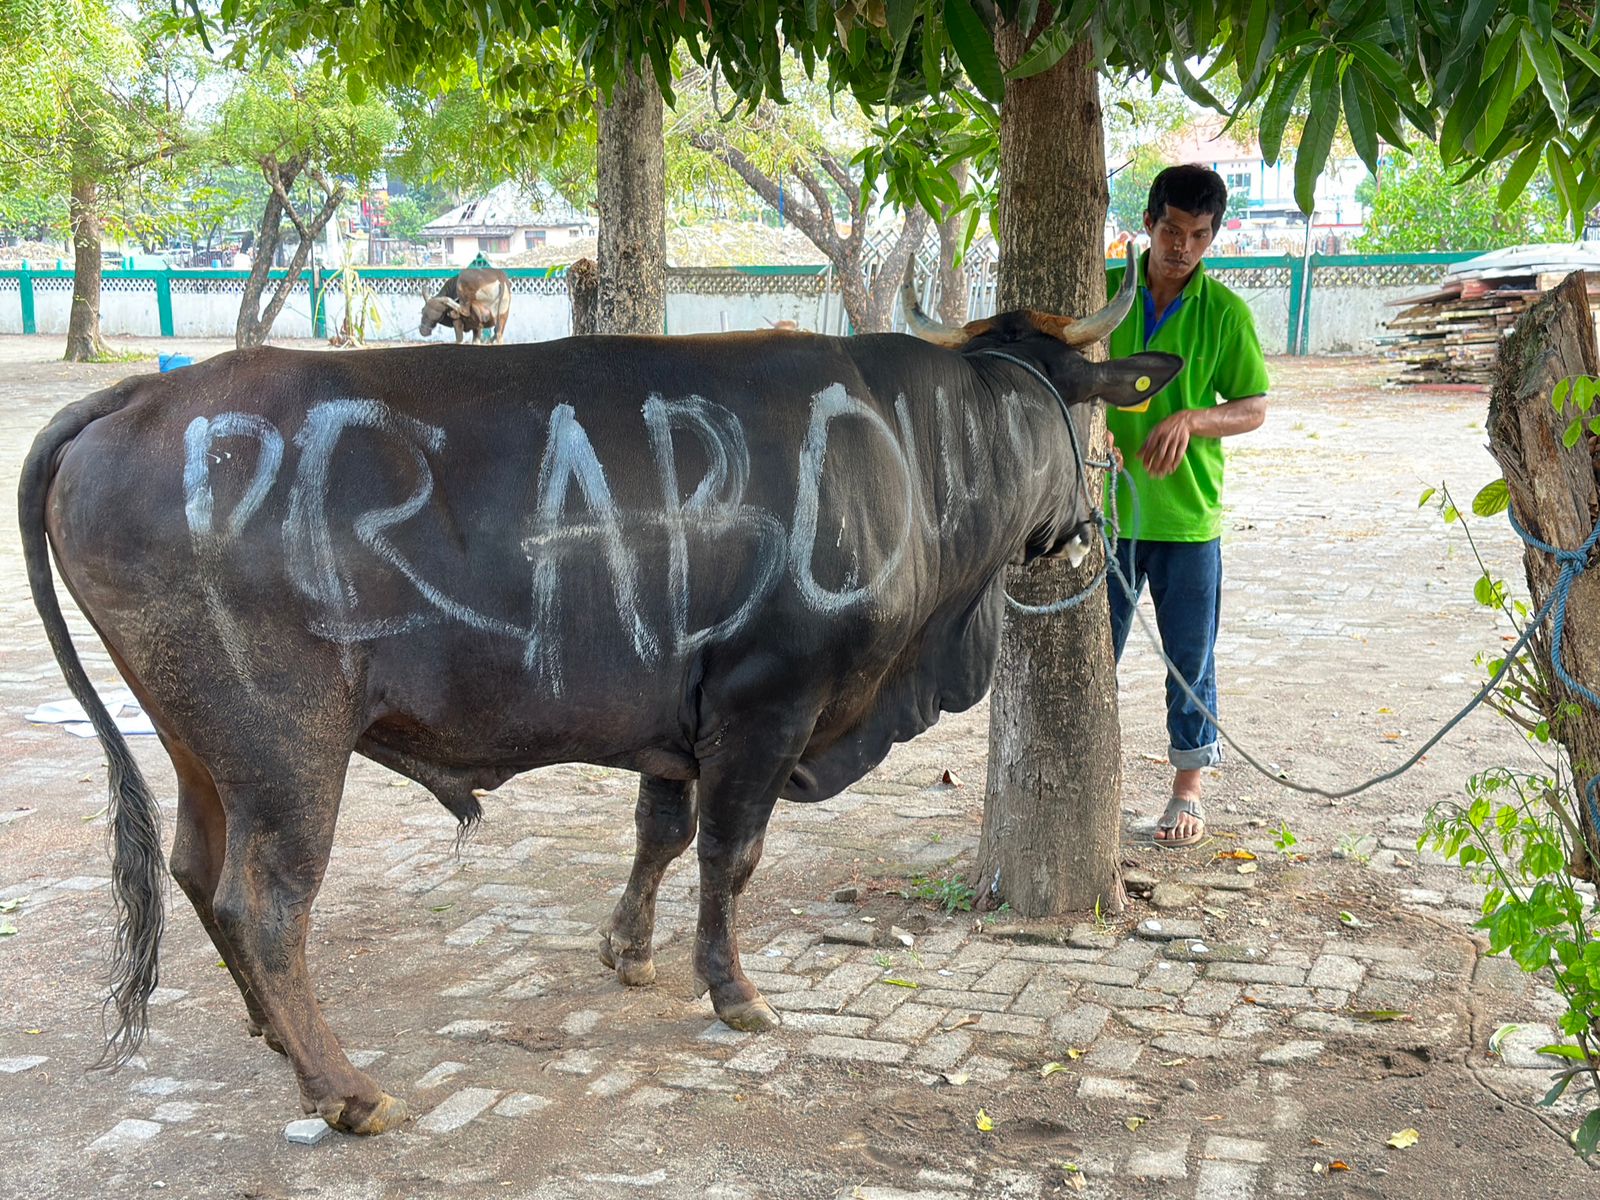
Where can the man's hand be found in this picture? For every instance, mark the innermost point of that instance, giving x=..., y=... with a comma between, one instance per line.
x=1164, y=449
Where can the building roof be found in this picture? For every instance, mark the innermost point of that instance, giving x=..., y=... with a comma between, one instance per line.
x=506, y=208
x=1203, y=141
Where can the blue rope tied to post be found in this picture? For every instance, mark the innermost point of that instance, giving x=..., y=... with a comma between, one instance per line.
x=1572, y=563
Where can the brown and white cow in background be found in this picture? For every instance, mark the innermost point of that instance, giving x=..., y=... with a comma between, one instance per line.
x=477, y=299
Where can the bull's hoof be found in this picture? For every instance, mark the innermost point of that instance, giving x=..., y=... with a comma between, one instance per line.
x=752, y=1016
x=387, y=1113
x=631, y=971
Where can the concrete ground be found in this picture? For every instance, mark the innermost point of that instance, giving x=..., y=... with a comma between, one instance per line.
x=1215, y=1042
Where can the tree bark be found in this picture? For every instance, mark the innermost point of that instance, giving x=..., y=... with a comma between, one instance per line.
x=1052, y=819
x=632, y=203
x=83, y=206
x=953, y=283
x=255, y=323
x=583, y=291
x=1555, y=496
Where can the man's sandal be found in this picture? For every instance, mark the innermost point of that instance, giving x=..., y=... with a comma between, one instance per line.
x=1177, y=807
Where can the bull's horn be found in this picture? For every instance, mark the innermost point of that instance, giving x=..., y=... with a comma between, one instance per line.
x=920, y=323
x=1102, y=324
x=452, y=305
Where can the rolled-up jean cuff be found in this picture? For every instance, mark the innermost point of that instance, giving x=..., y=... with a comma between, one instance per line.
x=1193, y=760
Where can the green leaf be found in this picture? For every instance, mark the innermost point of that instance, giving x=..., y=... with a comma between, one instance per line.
x=1463, y=116
x=1564, y=1050
x=1479, y=14
x=902, y=16
x=1547, y=65
x=1191, y=86
x=1275, y=115
x=1359, y=116
x=1522, y=169
x=1402, y=22
x=1494, y=497
x=1427, y=494
x=1484, y=592
x=1047, y=50
x=1315, y=142
x=974, y=46
x=1588, y=1135
x=1499, y=1036
x=1579, y=52
x=1554, y=1093
x=1569, y=438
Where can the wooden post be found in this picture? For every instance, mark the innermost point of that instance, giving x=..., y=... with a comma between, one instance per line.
x=583, y=291
x=1556, y=498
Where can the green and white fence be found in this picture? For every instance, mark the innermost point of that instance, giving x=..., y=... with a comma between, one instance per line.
x=1331, y=304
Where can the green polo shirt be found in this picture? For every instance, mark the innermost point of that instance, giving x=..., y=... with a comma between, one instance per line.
x=1215, y=334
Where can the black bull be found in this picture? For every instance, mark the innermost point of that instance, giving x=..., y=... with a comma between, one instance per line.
x=744, y=566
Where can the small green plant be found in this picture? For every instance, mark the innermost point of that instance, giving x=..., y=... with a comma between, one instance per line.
x=1285, y=839
x=883, y=959
x=951, y=892
x=1521, y=834
x=360, y=306
x=1357, y=847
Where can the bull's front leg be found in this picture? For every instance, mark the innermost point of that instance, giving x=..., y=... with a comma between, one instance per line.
x=736, y=800
x=665, y=821
x=458, y=332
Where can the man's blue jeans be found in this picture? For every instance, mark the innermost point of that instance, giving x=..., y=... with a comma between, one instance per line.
x=1186, y=584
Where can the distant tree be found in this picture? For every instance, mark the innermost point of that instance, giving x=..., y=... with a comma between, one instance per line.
x=299, y=129
x=1416, y=204
x=90, y=102
x=1130, y=187
x=797, y=158
x=34, y=216
x=406, y=219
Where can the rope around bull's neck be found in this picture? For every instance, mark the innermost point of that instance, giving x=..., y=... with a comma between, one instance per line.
x=1088, y=589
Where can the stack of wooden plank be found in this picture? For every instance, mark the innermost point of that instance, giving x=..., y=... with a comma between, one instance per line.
x=1449, y=335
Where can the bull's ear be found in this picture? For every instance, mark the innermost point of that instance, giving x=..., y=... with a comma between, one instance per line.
x=1130, y=382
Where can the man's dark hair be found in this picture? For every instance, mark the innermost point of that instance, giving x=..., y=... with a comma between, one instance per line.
x=1191, y=187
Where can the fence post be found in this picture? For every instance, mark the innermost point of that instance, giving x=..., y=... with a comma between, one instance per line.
x=319, y=319
x=1297, y=281
x=164, y=301
x=25, y=288
x=1307, y=289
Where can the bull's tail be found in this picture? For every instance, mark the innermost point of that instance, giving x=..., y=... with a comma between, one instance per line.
x=138, y=874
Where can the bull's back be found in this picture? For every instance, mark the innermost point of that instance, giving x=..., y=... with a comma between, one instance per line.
x=588, y=522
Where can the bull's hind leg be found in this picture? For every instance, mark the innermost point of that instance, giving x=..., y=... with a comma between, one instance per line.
x=279, y=834
x=198, y=847
x=737, y=791
x=665, y=820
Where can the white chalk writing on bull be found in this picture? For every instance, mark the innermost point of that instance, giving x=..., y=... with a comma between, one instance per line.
x=714, y=510
x=569, y=458
x=827, y=405
x=197, y=439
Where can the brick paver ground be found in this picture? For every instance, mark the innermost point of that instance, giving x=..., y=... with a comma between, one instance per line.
x=1213, y=1042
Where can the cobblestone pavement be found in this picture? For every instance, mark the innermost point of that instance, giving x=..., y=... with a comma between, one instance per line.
x=1215, y=1042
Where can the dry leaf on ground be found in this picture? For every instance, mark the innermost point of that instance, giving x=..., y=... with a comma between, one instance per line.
x=1405, y=1138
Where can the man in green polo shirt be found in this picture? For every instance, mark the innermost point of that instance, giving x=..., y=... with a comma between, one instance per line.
x=1173, y=451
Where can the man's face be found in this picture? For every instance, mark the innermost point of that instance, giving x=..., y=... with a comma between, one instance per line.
x=1178, y=240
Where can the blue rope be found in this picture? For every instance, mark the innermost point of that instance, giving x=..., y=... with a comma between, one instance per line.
x=1572, y=563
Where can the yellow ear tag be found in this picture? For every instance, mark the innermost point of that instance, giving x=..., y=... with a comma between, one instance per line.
x=1141, y=384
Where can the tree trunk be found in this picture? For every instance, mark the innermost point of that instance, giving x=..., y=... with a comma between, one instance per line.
x=83, y=206
x=632, y=204
x=953, y=283
x=1555, y=496
x=880, y=297
x=255, y=323
x=583, y=292
x=1052, y=820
